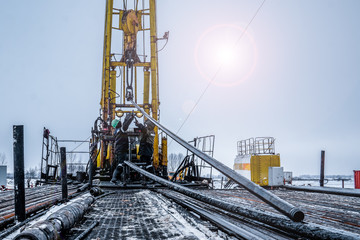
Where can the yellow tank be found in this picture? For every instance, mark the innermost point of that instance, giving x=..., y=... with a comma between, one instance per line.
x=259, y=167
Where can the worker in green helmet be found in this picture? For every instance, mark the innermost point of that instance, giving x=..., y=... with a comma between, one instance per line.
x=146, y=149
x=121, y=146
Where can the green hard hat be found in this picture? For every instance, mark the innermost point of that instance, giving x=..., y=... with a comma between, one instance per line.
x=115, y=122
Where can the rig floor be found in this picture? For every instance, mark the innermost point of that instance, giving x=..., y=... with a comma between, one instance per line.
x=141, y=214
x=165, y=214
x=146, y=214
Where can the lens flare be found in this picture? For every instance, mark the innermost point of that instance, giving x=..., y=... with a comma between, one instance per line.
x=225, y=55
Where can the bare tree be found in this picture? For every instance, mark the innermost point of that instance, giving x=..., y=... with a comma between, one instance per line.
x=174, y=161
x=70, y=161
x=80, y=166
x=3, y=159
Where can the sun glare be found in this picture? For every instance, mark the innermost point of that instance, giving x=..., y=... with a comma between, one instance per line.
x=225, y=55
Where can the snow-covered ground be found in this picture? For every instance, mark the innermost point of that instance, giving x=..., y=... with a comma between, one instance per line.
x=330, y=183
x=10, y=183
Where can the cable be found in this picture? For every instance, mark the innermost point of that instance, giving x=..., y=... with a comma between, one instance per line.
x=118, y=66
x=80, y=144
x=218, y=70
x=163, y=46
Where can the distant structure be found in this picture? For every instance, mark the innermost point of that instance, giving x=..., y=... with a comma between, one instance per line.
x=3, y=174
x=254, y=158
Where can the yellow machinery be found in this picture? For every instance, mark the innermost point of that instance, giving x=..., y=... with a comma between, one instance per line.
x=254, y=158
x=260, y=167
x=130, y=73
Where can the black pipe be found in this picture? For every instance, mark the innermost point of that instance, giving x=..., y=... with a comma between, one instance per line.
x=63, y=174
x=322, y=168
x=224, y=225
x=104, y=195
x=90, y=172
x=328, y=190
x=312, y=231
x=86, y=232
x=57, y=222
x=282, y=206
x=96, y=191
x=83, y=187
x=19, y=176
x=93, y=156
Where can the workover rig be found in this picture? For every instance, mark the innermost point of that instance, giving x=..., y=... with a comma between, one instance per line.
x=129, y=79
x=114, y=102
x=126, y=214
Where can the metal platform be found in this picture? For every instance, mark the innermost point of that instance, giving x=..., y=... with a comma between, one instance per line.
x=149, y=184
x=140, y=214
x=144, y=214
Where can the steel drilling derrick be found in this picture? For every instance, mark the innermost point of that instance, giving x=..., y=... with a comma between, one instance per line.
x=121, y=82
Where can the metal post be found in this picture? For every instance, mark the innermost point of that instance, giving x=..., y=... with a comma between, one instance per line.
x=322, y=168
x=19, y=182
x=63, y=174
x=90, y=172
x=343, y=183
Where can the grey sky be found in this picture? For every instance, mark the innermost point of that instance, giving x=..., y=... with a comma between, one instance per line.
x=303, y=90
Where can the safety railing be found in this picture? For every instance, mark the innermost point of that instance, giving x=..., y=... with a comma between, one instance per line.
x=259, y=145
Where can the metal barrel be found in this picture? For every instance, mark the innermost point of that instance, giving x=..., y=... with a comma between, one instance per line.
x=279, y=204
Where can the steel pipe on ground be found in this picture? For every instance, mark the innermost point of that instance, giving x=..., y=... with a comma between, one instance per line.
x=56, y=223
x=311, y=231
x=8, y=217
x=279, y=204
x=328, y=190
x=96, y=191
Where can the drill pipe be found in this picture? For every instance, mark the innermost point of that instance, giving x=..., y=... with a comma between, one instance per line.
x=34, y=207
x=57, y=222
x=96, y=191
x=312, y=231
x=279, y=204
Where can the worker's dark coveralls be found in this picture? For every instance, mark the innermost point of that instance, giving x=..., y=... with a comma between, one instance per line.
x=121, y=147
x=146, y=141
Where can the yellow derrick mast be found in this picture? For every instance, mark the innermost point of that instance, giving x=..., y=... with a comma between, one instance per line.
x=121, y=82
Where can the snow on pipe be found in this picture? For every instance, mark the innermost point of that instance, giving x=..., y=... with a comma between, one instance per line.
x=279, y=204
x=312, y=231
x=57, y=222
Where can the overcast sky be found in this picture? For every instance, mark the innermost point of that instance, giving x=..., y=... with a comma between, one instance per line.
x=294, y=75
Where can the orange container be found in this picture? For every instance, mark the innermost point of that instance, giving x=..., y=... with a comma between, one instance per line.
x=357, y=179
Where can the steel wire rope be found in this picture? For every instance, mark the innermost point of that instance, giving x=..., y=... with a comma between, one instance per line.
x=81, y=144
x=163, y=46
x=218, y=70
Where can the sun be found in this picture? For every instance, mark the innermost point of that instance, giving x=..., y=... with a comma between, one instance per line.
x=225, y=55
